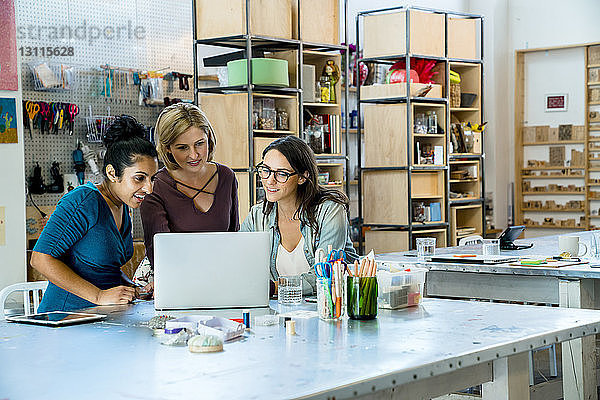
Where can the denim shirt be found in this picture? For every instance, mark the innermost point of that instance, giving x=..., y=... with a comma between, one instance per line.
x=334, y=230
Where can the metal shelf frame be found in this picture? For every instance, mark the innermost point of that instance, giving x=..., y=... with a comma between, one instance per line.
x=391, y=59
x=248, y=42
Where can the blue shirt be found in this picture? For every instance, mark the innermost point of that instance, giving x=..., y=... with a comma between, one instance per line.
x=82, y=233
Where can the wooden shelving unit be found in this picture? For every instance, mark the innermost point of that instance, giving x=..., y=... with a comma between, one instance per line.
x=405, y=169
x=583, y=146
x=298, y=31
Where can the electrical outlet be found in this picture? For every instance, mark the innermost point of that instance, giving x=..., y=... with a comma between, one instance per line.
x=2, y=226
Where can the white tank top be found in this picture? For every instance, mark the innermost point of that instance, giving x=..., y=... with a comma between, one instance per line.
x=291, y=263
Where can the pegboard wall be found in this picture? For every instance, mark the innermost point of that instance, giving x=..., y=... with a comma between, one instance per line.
x=140, y=35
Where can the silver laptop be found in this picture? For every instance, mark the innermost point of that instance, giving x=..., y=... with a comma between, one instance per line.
x=211, y=270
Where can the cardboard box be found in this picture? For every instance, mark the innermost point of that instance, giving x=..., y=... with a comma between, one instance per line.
x=578, y=132
x=541, y=133
x=477, y=149
x=557, y=156
x=565, y=132
x=528, y=134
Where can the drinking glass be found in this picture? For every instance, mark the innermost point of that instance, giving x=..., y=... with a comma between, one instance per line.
x=329, y=306
x=289, y=289
x=425, y=248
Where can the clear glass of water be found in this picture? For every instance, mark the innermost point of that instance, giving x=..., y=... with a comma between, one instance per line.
x=425, y=248
x=289, y=290
x=491, y=247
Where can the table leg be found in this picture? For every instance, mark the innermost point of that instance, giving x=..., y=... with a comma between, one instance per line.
x=578, y=355
x=511, y=379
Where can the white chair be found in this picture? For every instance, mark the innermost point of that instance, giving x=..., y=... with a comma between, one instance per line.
x=470, y=240
x=32, y=291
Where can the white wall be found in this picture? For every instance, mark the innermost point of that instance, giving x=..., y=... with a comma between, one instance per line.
x=544, y=23
x=12, y=197
x=496, y=91
x=547, y=72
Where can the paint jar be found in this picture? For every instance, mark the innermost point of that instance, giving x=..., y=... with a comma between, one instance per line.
x=289, y=289
x=361, y=297
x=490, y=247
x=329, y=305
x=425, y=248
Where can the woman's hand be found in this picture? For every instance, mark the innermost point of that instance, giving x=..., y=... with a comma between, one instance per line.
x=146, y=292
x=116, y=295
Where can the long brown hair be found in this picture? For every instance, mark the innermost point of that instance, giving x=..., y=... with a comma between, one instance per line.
x=310, y=194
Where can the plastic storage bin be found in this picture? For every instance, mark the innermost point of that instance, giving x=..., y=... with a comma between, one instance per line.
x=399, y=288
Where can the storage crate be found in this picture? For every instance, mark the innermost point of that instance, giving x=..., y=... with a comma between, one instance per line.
x=462, y=38
x=397, y=90
x=385, y=135
x=232, y=127
x=427, y=184
x=386, y=241
x=385, y=34
x=385, y=197
x=228, y=18
x=399, y=286
x=319, y=21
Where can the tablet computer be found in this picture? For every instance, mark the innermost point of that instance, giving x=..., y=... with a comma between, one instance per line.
x=56, y=318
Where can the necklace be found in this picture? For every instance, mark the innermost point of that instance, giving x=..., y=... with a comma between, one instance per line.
x=292, y=218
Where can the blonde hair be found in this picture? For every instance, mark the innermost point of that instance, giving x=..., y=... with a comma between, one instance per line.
x=175, y=120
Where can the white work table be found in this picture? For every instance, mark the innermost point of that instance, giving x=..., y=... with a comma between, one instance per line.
x=420, y=352
x=576, y=286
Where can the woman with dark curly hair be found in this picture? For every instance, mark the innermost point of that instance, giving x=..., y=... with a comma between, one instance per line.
x=88, y=237
x=300, y=215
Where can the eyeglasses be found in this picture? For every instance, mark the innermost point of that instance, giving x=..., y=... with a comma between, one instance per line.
x=280, y=176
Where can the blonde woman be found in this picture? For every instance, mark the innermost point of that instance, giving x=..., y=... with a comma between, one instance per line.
x=191, y=193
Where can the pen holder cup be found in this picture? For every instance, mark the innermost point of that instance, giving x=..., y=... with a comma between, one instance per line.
x=328, y=308
x=362, y=297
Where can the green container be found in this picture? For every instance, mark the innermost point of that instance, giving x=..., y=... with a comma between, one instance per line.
x=265, y=71
x=362, y=297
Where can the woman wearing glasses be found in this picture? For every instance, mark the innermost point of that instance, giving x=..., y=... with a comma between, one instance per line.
x=300, y=215
x=191, y=193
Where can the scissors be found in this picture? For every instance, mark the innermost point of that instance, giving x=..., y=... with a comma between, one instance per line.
x=56, y=115
x=336, y=255
x=73, y=111
x=44, y=112
x=323, y=270
x=61, y=116
x=32, y=110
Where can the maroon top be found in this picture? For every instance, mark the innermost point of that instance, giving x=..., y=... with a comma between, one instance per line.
x=167, y=209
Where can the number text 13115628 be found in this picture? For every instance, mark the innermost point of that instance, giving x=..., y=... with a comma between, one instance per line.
x=48, y=51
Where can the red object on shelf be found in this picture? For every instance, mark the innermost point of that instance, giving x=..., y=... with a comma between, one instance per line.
x=399, y=76
x=423, y=68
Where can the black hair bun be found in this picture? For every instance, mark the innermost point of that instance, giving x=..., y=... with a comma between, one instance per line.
x=124, y=128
